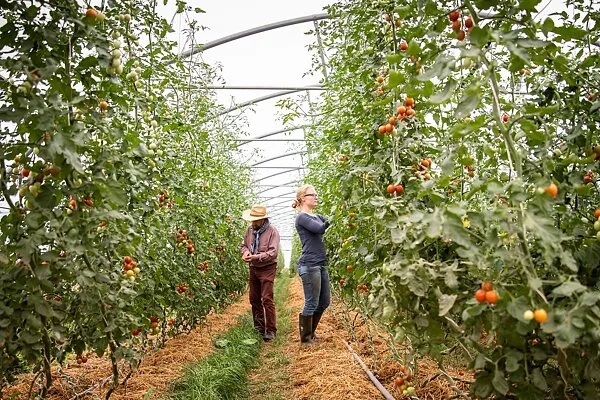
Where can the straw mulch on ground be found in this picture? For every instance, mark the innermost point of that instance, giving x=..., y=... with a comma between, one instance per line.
x=429, y=383
x=325, y=371
x=157, y=370
x=328, y=371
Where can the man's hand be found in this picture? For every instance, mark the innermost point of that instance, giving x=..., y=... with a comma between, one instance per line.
x=247, y=257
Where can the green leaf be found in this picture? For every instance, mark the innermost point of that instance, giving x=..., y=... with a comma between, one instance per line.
x=249, y=341
x=528, y=5
x=513, y=358
x=538, y=380
x=548, y=25
x=518, y=52
x=413, y=48
x=394, y=58
x=517, y=307
x=479, y=36
x=395, y=79
x=482, y=387
x=568, y=288
x=468, y=103
x=221, y=343
x=445, y=94
x=570, y=32
x=441, y=69
x=445, y=303
x=499, y=382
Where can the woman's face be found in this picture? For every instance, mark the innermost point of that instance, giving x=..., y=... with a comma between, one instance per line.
x=310, y=197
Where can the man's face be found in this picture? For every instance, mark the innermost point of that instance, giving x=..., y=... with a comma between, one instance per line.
x=258, y=223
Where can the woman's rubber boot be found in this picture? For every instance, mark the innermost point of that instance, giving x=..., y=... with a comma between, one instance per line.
x=305, y=326
x=315, y=321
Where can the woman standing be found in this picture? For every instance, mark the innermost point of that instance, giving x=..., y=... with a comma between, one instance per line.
x=312, y=263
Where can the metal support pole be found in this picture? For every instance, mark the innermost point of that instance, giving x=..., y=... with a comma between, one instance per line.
x=278, y=186
x=284, y=130
x=278, y=173
x=277, y=157
x=252, y=31
x=238, y=87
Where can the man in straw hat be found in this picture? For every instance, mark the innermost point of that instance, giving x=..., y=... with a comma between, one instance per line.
x=259, y=249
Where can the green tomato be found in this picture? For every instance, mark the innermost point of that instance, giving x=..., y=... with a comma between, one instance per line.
x=598, y=235
x=528, y=315
x=597, y=225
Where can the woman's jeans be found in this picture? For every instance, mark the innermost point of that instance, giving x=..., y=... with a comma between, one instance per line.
x=315, y=282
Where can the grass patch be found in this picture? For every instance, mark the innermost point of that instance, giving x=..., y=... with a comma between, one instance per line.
x=272, y=380
x=223, y=374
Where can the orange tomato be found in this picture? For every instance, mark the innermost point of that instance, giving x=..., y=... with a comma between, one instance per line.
x=390, y=189
x=491, y=296
x=403, y=46
x=382, y=129
x=552, y=190
x=91, y=13
x=487, y=286
x=389, y=128
x=597, y=213
x=392, y=120
x=480, y=296
x=409, y=101
x=469, y=22
x=410, y=112
x=399, y=189
x=454, y=15
x=401, y=110
x=540, y=315
x=456, y=25
x=460, y=35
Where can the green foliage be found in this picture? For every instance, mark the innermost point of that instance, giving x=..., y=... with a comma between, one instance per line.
x=296, y=252
x=479, y=212
x=99, y=163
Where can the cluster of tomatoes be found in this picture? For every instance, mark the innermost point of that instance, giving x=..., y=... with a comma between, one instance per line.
x=181, y=289
x=402, y=112
x=403, y=382
x=81, y=359
x=182, y=239
x=203, y=267
x=588, y=177
x=540, y=315
x=423, y=169
x=457, y=24
x=154, y=324
x=486, y=294
x=597, y=222
x=399, y=189
x=343, y=158
x=364, y=289
x=162, y=200
x=130, y=267
x=470, y=170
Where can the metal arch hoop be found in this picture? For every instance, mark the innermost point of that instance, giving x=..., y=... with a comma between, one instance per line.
x=253, y=31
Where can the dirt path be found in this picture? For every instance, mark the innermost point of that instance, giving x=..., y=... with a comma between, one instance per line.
x=325, y=371
x=155, y=373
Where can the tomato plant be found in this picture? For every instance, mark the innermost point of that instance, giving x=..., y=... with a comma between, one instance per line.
x=485, y=195
x=106, y=153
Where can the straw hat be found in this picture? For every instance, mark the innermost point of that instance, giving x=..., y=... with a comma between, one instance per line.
x=255, y=213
